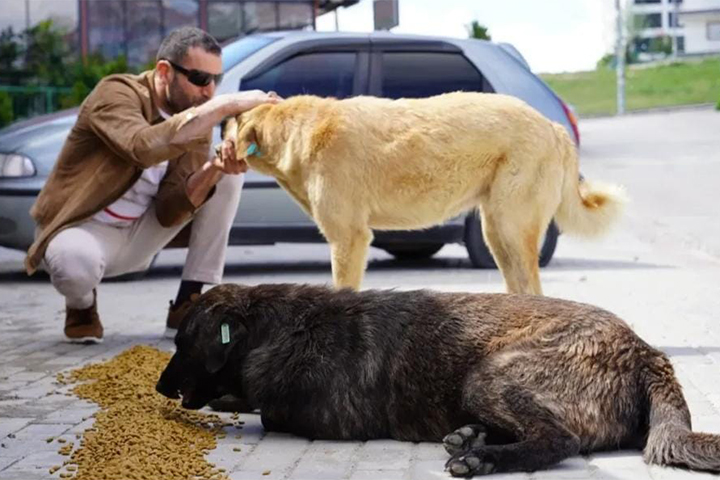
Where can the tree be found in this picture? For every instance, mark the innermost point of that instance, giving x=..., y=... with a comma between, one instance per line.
x=475, y=30
x=6, y=109
x=47, y=54
x=9, y=55
x=9, y=49
x=41, y=56
x=86, y=74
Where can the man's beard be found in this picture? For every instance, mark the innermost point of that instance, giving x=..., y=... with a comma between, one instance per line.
x=178, y=100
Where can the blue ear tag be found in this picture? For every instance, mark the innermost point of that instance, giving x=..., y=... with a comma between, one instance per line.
x=225, y=333
x=253, y=150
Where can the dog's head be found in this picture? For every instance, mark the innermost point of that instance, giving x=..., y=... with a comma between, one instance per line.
x=252, y=144
x=213, y=331
x=262, y=134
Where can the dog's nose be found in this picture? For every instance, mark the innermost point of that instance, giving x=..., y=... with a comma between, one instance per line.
x=166, y=390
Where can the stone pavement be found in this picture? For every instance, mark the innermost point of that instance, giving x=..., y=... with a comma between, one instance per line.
x=32, y=352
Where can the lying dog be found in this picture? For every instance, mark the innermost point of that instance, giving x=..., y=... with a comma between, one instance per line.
x=369, y=163
x=507, y=382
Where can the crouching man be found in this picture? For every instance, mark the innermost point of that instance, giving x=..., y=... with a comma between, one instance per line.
x=135, y=169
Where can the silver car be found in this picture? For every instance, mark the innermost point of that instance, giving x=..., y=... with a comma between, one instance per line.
x=327, y=64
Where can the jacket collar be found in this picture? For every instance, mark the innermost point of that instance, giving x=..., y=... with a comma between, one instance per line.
x=149, y=77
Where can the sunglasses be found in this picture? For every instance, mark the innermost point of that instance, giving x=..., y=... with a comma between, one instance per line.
x=197, y=77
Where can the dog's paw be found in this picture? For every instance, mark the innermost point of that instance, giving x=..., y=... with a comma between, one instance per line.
x=469, y=463
x=464, y=439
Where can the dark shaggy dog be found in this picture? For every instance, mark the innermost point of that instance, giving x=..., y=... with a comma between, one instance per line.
x=507, y=382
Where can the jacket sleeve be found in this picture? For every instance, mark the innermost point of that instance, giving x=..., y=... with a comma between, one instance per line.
x=172, y=203
x=115, y=114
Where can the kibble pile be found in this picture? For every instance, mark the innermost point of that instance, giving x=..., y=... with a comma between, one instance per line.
x=138, y=433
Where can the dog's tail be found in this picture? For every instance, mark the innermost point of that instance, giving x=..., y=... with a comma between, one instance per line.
x=586, y=208
x=671, y=440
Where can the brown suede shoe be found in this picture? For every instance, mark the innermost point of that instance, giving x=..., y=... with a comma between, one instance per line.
x=176, y=315
x=83, y=325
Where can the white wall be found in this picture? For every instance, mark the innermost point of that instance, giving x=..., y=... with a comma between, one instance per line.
x=696, y=35
x=699, y=4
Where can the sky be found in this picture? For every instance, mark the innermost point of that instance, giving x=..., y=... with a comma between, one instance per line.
x=553, y=35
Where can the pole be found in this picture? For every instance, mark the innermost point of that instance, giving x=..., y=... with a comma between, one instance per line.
x=620, y=60
x=337, y=23
x=675, y=27
x=316, y=10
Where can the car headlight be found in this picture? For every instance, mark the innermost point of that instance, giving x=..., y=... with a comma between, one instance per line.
x=15, y=165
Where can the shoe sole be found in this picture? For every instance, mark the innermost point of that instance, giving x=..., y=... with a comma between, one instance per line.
x=170, y=333
x=84, y=340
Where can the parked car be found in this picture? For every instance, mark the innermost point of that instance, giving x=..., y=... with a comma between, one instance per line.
x=327, y=64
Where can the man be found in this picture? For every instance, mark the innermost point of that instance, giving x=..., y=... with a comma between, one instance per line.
x=135, y=169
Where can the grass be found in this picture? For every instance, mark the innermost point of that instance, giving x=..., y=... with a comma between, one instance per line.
x=680, y=83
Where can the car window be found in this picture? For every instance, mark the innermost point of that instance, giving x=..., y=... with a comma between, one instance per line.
x=424, y=74
x=326, y=74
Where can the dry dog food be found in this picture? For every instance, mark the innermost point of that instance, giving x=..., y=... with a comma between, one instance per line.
x=138, y=433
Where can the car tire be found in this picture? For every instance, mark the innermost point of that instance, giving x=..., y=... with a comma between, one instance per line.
x=480, y=255
x=412, y=251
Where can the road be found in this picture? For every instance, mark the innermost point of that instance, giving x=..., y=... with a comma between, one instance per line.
x=659, y=270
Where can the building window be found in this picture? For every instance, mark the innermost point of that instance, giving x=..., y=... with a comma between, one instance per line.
x=420, y=74
x=295, y=16
x=713, y=31
x=649, y=20
x=225, y=20
x=135, y=28
x=179, y=13
x=106, y=28
x=640, y=2
x=673, y=20
x=681, y=44
x=261, y=16
x=144, y=31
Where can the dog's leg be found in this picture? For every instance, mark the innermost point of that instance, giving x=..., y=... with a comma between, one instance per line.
x=537, y=436
x=513, y=241
x=349, y=256
x=342, y=219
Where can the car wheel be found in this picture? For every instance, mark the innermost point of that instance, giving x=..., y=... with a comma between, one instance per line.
x=480, y=255
x=413, y=251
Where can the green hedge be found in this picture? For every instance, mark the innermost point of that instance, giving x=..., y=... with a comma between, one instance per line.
x=6, y=109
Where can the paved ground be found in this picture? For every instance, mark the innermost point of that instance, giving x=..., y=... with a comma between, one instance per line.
x=660, y=271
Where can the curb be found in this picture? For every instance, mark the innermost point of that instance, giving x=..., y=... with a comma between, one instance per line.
x=666, y=109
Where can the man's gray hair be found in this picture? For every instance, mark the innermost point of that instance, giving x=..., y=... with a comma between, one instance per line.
x=176, y=45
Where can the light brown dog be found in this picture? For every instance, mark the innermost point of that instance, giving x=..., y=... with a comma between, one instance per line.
x=369, y=163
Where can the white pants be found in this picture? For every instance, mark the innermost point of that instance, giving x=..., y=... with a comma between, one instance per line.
x=78, y=258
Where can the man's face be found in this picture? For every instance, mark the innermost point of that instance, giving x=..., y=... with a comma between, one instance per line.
x=183, y=94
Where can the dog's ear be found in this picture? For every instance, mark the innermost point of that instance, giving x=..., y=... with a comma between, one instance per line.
x=225, y=334
x=228, y=128
x=246, y=140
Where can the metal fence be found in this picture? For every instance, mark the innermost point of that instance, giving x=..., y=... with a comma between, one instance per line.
x=29, y=101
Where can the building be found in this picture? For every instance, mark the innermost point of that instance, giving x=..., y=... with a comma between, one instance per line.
x=700, y=21
x=687, y=27
x=134, y=28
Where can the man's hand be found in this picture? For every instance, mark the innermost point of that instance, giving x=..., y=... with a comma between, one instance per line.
x=226, y=161
x=237, y=103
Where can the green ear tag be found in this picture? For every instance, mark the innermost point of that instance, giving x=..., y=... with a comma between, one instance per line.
x=225, y=333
